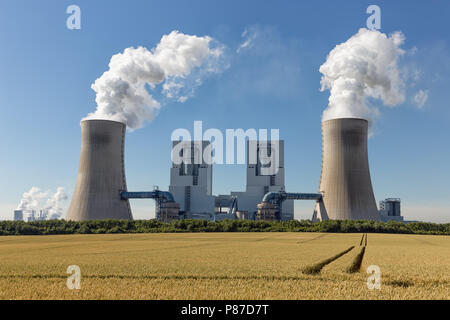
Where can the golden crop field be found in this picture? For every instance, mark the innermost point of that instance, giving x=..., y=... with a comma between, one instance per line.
x=223, y=266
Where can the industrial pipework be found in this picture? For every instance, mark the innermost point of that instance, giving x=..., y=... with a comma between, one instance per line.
x=270, y=207
x=163, y=196
x=278, y=197
x=233, y=206
x=166, y=208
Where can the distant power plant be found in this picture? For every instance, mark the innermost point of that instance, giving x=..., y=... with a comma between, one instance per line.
x=390, y=210
x=345, y=191
x=18, y=215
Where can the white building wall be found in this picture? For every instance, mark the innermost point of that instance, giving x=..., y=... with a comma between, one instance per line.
x=258, y=183
x=193, y=176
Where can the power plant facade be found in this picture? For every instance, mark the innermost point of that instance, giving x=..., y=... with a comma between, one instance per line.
x=18, y=215
x=390, y=210
x=345, y=182
x=261, y=180
x=191, y=179
x=101, y=173
x=345, y=191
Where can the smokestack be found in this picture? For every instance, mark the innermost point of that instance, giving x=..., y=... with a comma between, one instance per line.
x=101, y=173
x=345, y=181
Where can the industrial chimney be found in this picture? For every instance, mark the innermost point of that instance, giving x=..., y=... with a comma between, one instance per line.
x=345, y=181
x=101, y=173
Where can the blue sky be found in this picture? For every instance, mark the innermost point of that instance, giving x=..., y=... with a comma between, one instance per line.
x=46, y=72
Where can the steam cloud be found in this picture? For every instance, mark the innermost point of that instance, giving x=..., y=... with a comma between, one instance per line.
x=121, y=92
x=35, y=199
x=365, y=66
x=31, y=200
x=54, y=203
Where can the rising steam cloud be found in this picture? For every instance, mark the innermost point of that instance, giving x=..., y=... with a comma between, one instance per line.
x=32, y=199
x=54, y=204
x=36, y=199
x=122, y=91
x=365, y=66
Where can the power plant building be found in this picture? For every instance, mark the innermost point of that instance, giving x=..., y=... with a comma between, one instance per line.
x=390, y=210
x=345, y=191
x=31, y=216
x=191, y=180
x=263, y=176
x=18, y=215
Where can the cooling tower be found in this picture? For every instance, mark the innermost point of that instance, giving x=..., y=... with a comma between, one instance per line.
x=345, y=180
x=101, y=173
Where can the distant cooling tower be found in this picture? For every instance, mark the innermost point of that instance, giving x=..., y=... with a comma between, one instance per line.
x=345, y=181
x=101, y=173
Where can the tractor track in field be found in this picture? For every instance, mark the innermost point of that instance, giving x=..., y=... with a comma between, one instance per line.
x=312, y=239
x=317, y=267
x=355, y=266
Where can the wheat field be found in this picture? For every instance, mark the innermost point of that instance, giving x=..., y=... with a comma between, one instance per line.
x=223, y=266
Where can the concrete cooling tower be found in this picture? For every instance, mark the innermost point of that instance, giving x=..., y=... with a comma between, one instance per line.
x=345, y=180
x=101, y=173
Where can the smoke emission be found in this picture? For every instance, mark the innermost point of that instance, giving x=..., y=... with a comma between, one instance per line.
x=365, y=66
x=121, y=92
x=31, y=200
x=36, y=199
x=54, y=203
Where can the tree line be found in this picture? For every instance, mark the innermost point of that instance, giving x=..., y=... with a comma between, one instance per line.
x=52, y=227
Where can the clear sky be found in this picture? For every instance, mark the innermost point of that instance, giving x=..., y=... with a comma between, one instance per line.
x=46, y=71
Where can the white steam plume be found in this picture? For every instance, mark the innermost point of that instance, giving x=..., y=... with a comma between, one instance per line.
x=54, y=203
x=31, y=200
x=36, y=199
x=122, y=93
x=365, y=66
